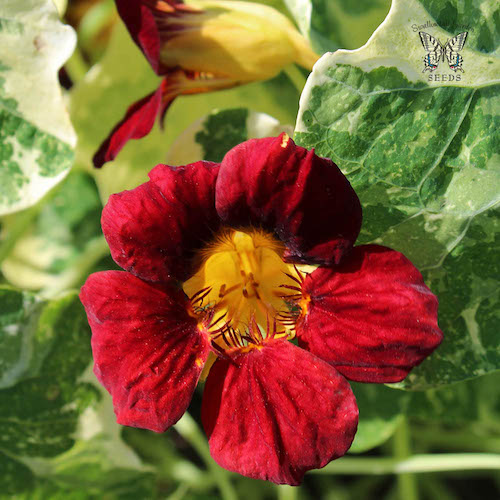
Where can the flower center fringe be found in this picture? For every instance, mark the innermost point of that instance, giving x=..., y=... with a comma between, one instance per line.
x=244, y=293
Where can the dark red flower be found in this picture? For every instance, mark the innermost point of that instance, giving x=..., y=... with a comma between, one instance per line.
x=228, y=262
x=202, y=47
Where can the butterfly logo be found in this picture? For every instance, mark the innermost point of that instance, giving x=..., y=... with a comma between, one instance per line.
x=436, y=52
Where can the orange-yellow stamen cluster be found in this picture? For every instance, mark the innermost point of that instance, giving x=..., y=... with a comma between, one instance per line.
x=244, y=293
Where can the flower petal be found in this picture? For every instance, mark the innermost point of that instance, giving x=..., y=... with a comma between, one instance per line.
x=137, y=122
x=276, y=412
x=143, y=23
x=372, y=317
x=148, y=352
x=304, y=199
x=140, y=117
x=154, y=230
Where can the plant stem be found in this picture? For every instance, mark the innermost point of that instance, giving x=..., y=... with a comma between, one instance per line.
x=296, y=77
x=407, y=482
x=286, y=492
x=437, y=462
x=190, y=431
x=459, y=440
x=76, y=66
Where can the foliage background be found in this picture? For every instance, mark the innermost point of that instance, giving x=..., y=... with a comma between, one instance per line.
x=423, y=158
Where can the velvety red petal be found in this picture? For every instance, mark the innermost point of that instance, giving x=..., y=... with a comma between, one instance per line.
x=306, y=200
x=137, y=122
x=148, y=352
x=275, y=413
x=372, y=317
x=145, y=21
x=141, y=24
x=154, y=230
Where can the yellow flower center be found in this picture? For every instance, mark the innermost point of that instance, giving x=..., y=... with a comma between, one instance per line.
x=244, y=292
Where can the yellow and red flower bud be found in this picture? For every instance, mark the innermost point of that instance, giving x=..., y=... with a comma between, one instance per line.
x=240, y=40
x=202, y=46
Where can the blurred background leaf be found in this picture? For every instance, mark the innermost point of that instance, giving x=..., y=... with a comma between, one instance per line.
x=334, y=24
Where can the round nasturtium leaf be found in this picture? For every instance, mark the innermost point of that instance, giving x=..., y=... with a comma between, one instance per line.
x=420, y=148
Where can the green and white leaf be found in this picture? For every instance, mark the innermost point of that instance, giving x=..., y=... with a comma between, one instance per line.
x=101, y=99
x=62, y=243
x=45, y=350
x=36, y=136
x=212, y=136
x=330, y=24
x=423, y=158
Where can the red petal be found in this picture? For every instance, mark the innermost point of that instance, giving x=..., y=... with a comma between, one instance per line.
x=304, y=199
x=137, y=122
x=372, y=317
x=142, y=27
x=148, y=352
x=277, y=412
x=154, y=230
x=147, y=25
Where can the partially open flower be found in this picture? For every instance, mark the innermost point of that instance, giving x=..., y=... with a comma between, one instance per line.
x=202, y=46
x=225, y=264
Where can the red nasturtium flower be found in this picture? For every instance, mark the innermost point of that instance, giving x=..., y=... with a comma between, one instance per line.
x=215, y=259
x=202, y=46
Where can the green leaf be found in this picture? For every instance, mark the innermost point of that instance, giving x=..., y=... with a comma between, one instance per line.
x=88, y=470
x=42, y=398
x=476, y=400
x=380, y=411
x=21, y=341
x=36, y=137
x=102, y=98
x=423, y=157
x=16, y=477
x=51, y=248
x=330, y=24
x=213, y=135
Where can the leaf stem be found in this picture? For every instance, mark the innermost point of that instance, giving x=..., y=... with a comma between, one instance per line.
x=190, y=431
x=296, y=77
x=436, y=462
x=286, y=492
x=407, y=482
x=76, y=66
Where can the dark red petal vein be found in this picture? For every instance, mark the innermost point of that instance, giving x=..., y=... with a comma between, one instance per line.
x=372, y=317
x=148, y=352
x=277, y=412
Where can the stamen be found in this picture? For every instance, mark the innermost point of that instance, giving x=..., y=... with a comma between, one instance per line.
x=217, y=320
x=250, y=289
x=199, y=292
x=290, y=287
x=297, y=280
